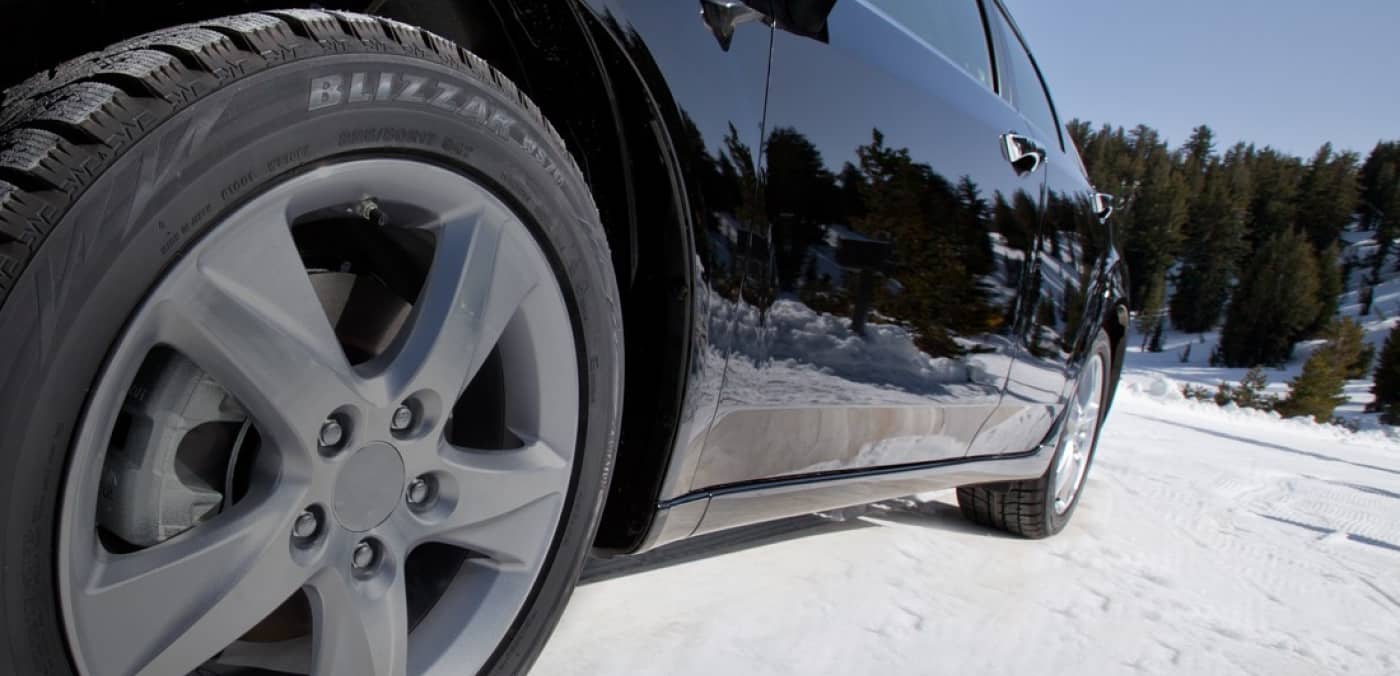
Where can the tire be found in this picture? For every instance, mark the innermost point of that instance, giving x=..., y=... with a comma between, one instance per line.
x=1029, y=508
x=115, y=166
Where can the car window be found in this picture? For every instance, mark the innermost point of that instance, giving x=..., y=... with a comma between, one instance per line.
x=953, y=27
x=1021, y=84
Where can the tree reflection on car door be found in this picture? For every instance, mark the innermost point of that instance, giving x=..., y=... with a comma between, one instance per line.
x=898, y=238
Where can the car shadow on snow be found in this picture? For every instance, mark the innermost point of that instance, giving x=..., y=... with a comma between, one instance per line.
x=903, y=512
x=932, y=514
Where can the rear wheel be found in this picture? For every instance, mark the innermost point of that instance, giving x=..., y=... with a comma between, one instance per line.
x=311, y=357
x=1041, y=507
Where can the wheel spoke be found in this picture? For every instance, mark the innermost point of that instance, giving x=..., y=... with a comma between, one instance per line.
x=247, y=314
x=359, y=627
x=241, y=306
x=169, y=608
x=507, y=500
x=1077, y=438
x=480, y=275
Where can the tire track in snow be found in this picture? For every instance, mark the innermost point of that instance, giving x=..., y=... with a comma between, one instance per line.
x=1166, y=569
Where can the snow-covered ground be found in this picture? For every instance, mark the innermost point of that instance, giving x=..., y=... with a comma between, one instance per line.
x=1209, y=541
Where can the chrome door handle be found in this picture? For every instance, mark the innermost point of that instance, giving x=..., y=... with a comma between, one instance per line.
x=1103, y=205
x=1022, y=152
x=723, y=16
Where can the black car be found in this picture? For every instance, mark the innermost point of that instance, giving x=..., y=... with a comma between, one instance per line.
x=336, y=342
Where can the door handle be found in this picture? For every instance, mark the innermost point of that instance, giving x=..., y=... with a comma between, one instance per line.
x=722, y=17
x=1103, y=205
x=1022, y=152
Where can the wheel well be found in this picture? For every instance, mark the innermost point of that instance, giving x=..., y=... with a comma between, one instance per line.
x=583, y=81
x=1115, y=324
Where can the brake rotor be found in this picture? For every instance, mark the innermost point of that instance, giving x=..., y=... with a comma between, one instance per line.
x=365, y=313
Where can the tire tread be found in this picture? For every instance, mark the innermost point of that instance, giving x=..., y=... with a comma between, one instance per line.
x=1017, y=507
x=61, y=127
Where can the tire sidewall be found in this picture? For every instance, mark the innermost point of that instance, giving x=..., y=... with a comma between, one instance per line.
x=144, y=210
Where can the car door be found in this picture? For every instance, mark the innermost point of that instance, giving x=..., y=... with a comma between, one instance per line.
x=1068, y=250
x=899, y=232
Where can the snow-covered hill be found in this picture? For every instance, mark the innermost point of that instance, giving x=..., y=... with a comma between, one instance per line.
x=1209, y=541
x=1181, y=366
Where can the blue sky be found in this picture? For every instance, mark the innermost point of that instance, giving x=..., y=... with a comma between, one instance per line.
x=1286, y=73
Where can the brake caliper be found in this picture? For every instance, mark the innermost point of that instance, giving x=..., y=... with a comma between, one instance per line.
x=172, y=468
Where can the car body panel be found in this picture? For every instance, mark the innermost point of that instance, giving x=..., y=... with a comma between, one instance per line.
x=806, y=415
x=703, y=93
x=745, y=504
x=917, y=142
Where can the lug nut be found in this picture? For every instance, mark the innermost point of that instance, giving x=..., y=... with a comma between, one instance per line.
x=332, y=433
x=419, y=492
x=365, y=556
x=403, y=418
x=306, y=525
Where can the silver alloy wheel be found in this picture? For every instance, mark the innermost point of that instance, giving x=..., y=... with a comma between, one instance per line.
x=1077, y=438
x=241, y=306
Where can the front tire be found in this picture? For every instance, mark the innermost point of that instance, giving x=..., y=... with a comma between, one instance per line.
x=1041, y=507
x=199, y=202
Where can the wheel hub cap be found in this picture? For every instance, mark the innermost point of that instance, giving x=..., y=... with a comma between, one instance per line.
x=1077, y=437
x=368, y=488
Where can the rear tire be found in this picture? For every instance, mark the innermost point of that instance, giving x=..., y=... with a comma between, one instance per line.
x=115, y=166
x=1029, y=508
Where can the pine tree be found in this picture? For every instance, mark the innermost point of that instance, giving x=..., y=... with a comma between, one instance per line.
x=1273, y=203
x=1377, y=191
x=1379, y=205
x=1213, y=245
x=801, y=198
x=1361, y=368
x=907, y=202
x=1329, y=287
x=1198, y=155
x=1149, y=320
x=1081, y=132
x=1347, y=340
x=1327, y=196
x=1317, y=391
x=1276, y=300
x=1250, y=393
x=1386, y=386
x=1385, y=212
x=1159, y=211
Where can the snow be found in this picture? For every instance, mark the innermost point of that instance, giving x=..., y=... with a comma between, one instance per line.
x=800, y=356
x=1209, y=541
x=1197, y=371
